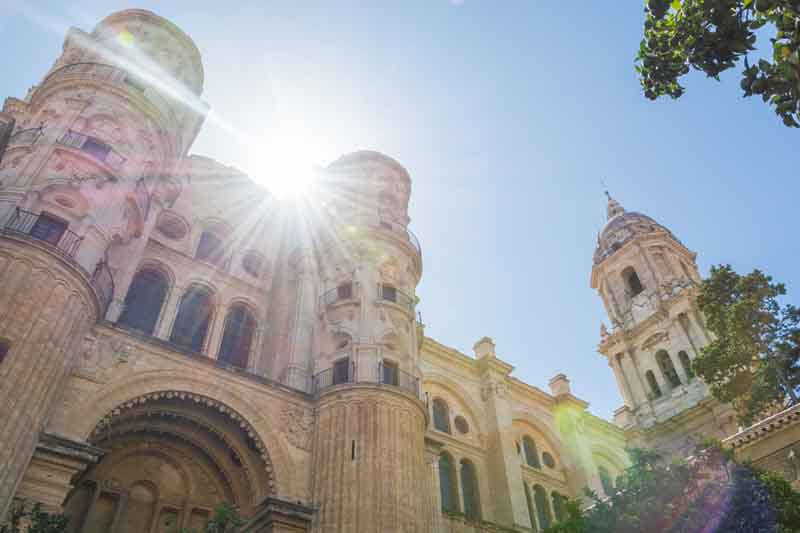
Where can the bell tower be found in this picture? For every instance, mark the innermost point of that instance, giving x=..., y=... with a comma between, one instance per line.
x=647, y=279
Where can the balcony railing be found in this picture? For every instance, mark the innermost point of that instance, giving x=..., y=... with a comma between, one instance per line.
x=103, y=284
x=345, y=291
x=39, y=227
x=338, y=376
x=28, y=136
x=405, y=232
x=94, y=147
x=388, y=293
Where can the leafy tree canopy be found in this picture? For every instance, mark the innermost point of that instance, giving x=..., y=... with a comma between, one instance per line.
x=711, y=493
x=712, y=36
x=754, y=357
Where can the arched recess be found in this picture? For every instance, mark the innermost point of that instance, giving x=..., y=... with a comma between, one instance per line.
x=86, y=415
x=462, y=400
x=552, y=442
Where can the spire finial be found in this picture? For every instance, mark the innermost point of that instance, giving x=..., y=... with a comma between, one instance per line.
x=613, y=208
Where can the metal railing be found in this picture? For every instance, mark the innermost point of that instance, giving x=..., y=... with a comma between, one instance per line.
x=103, y=283
x=333, y=376
x=394, y=378
x=345, y=291
x=28, y=136
x=24, y=222
x=94, y=147
x=388, y=293
x=392, y=375
x=404, y=231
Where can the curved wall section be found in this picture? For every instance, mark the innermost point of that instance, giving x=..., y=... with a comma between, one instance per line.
x=368, y=469
x=45, y=311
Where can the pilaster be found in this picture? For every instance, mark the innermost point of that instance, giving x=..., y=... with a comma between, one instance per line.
x=508, y=492
x=55, y=463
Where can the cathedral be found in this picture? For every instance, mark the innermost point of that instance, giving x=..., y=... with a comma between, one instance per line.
x=173, y=337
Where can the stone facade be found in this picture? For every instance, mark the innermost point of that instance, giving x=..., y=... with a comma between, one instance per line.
x=172, y=337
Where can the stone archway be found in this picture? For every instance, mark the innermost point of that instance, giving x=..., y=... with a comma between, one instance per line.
x=84, y=415
x=171, y=458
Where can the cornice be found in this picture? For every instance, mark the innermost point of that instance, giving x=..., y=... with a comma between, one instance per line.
x=760, y=430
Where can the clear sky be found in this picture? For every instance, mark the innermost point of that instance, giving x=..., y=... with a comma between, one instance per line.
x=507, y=115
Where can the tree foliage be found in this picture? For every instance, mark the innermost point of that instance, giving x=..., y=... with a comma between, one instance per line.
x=23, y=518
x=752, y=361
x=709, y=493
x=712, y=36
x=226, y=519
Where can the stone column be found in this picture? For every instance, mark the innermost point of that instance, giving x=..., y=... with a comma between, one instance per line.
x=46, y=309
x=298, y=373
x=638, y=388
x=169, y=312
x=622, y=380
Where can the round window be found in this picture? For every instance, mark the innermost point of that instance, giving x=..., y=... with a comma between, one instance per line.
x=461, y=425
x=548, y=460
x=172, y=227
x=252, y=264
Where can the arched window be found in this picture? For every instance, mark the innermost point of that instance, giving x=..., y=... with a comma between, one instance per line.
x=667, y=368
x=632, y=282
x=209, y=248
x=655, y=390
x=144, y=300
x=447, y=483
x=686, y=363
x=605, y=480
x=5, y=346
x=542, y=507
x=548, y=460
x=531, y=453
x=191, y=324
x=469, y=487
x=441, y=415
x=531, y=508
x=559, y=509
x=238, y=337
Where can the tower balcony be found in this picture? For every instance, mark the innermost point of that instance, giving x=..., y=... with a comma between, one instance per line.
x=345, y=372
x=344, y=293
x=393, y=295
x=25, y=137
x=93, y=146
x=55, y=236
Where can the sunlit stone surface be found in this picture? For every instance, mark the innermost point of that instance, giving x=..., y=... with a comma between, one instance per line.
x=172, y=336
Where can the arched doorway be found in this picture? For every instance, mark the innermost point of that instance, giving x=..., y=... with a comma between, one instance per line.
x=171, y=458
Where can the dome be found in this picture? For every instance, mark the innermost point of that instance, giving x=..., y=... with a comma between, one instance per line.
x=622, y=226
x=157, y=39
x=369, y=158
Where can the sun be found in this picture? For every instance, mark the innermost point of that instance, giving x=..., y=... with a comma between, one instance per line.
x=286, y=160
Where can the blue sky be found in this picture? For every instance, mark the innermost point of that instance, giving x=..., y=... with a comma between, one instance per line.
x=507, y=115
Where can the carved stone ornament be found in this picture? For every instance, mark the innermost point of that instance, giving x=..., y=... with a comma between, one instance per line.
x=100, y=356
x=493, y=388
x=655, y=339
x=298, y=423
